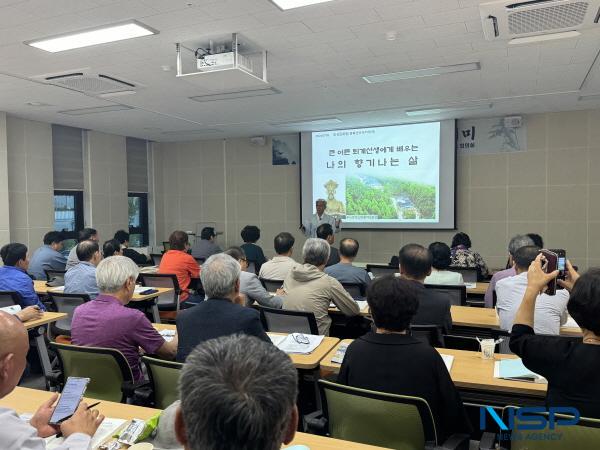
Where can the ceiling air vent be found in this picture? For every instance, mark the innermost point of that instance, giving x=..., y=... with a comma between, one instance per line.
x=510, y=20
x=88, y=82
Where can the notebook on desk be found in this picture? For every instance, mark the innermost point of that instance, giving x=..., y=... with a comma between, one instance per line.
x=515, y=370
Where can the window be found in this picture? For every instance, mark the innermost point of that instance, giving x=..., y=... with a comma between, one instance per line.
x=68, y=213
x=138, y=219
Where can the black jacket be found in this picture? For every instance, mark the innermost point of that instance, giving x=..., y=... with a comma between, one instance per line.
x=137, y=258
x=334, y=257
x=401, y=364
x=214, y=318
x=434, y=308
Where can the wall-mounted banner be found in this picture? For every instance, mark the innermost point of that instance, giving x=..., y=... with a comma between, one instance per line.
x=490, y=135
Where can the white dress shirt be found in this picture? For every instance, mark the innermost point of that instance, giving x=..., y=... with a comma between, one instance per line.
x=445, y=277
x=276, y=268
x=316, y=221
x=16, y=434
x=550, y=310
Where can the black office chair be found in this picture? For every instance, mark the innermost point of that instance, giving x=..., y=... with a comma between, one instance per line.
x=271, y=285
x=356, y=290
x=170, y=300
x=65, y=303
x=469, y=275
x=457, y=294
x=429, y=334
x=285, y=321
x=156, y=258
x=9, y=298
x=166, y=246
x=378, y=270
x=56, y=277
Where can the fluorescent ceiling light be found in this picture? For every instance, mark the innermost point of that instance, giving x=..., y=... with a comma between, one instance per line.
x=421, y=73
x=234, y=95
x=291, y=4
x=445, y=109
x=322, y=121
x=92, y=36
x=544, y=37
x=95, y=109
x=206, y=130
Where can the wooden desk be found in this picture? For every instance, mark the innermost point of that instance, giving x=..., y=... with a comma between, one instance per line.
x=24, y=400
x=305, y=362
x=479, y=289
x=468, y=371
x=466, y=316
x=48, y=317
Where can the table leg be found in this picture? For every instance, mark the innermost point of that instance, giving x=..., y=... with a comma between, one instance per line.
x=155, y=312
x=40, y=342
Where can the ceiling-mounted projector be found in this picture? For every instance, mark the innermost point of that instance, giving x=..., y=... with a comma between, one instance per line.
x=222, y=61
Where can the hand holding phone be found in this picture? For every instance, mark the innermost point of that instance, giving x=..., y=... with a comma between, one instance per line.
x=550, y=265
x=84, y=420
x=571, y=276
x=69, y=399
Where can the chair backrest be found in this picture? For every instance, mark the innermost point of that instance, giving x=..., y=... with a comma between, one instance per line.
x=457, y=294
x=494, y=298
x=164, y=376
x=377, y=418
x=57, y=276
x=285, y=321
x=9, y=298
x=66, y=303
x=469, y=274
x=461, y=342
x=502, y=347
x=356, y=290
x=378, y=270
x=271, y=285
x=106, y=368
x=166, y=246
x=429, y=334
x=584, y=435
x=165, y=280
x=156, y=258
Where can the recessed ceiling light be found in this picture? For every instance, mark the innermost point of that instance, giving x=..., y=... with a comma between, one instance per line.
x=421, y=73
x=235, y=95
x=444, y=109
x=94, y=110
x=93, y=36
x=391, y=35
x=38, y=104
x=291, y=4
x=321, y=121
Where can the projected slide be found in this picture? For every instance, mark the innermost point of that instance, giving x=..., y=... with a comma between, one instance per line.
x=379, y=175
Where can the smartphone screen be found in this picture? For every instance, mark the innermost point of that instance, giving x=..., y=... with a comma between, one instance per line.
x=550, y=266
x=562, y=262
x=69, y=399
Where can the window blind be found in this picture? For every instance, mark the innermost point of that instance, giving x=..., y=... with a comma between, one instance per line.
x=137, y=165
x=67, y=157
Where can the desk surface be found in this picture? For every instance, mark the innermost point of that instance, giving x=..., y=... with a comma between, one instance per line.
x=467, y=316
x=41, y=288
x=48, y=317
x=310, y=361
x=25, y=400
x=479, y=289
x=468, y=371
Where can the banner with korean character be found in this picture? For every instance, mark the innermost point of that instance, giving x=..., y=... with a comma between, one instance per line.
x=489, y=135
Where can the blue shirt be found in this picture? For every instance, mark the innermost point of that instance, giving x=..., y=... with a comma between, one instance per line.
x=81, y=279
x=46, y=258
x=16, y=279
x=347, y=273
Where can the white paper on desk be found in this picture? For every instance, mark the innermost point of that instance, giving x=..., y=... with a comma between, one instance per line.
x=276, y=339
x=57, y=289
x=571, y=323
x=290, y=345
x=471, y=285
x=168, y=335
x=362, y=304
x=12, y=310
x=448, y=360
x=107, y=429
x=139, y=289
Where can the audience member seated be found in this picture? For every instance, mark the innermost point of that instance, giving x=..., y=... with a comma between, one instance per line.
x=223, y=313
x=13, y=275
x=237, y=393
x=81, y=278
x=18, y=434
x=112, y=248
x=463, y=256
x=538, y=241
x=123, y=237
x=550, y=310
x=325, y=231
x=378, y=360
x=440, y=263
x=251, y=286
x=107, y=322
x=344, y=271
x=308, y=288
x=179, y=262
x=515, y=244
x=49, y=256
x=279, y=267
x=87, y=234
x=250, y=235
x=570, y=364
x=434, y=307
x=207, y=246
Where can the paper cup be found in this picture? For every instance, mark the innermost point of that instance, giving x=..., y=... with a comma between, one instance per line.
x=488, y=346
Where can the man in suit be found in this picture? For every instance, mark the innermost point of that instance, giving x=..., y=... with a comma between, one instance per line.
x=222, y=313
x=434, y=307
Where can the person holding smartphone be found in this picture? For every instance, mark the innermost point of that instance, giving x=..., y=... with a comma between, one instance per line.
x=15, y=434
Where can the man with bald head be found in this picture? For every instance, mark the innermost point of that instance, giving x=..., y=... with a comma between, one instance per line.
x=15, y=434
